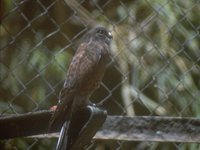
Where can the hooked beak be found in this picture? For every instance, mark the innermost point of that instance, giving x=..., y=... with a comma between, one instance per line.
x=110, y=35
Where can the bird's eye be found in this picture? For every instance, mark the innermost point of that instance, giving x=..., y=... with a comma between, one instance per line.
x=101, y=31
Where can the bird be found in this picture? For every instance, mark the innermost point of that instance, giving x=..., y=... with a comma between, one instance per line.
x=84, y=74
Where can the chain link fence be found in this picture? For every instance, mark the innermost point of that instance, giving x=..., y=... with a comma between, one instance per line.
x=155, y=68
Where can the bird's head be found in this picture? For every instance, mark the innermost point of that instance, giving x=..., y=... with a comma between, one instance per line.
x=99, y=33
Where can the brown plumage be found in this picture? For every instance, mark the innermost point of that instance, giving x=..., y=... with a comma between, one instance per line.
x=85, y=72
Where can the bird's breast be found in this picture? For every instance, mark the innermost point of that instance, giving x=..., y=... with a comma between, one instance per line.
x=93, y=80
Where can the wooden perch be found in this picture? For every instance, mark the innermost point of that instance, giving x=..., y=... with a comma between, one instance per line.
x=32, y=123
x=148, y=128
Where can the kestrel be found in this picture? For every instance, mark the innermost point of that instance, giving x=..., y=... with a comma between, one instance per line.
x=85, y=72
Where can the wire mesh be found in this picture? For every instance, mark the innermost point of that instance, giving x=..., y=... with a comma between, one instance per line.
x=155, y=67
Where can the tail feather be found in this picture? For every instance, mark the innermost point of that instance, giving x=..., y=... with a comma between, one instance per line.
x=62, y=113
x=63, y=110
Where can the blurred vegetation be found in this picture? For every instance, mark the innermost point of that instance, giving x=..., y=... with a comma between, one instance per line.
x=155, y=51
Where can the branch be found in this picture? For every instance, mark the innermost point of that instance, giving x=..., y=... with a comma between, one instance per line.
x=148, y=128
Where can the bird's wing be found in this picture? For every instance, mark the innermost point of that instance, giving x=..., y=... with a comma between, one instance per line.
x=83, y=63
